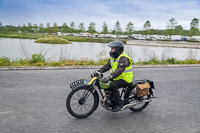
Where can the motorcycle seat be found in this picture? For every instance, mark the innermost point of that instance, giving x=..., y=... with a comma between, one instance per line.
x=131, y=85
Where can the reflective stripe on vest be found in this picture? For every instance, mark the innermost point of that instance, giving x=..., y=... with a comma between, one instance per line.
x=127, y=75
x=126, y=71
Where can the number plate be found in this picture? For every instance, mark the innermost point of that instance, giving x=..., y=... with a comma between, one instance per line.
x=75, y=83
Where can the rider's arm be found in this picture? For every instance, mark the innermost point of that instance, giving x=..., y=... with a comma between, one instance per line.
x=105, y=67
x=123, y=63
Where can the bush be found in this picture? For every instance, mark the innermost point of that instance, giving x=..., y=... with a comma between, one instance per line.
x=20, y=62
x=36, y=58
x=4, y=61
x=171, y=60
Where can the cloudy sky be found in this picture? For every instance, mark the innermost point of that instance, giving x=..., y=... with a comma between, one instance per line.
x=158, y=12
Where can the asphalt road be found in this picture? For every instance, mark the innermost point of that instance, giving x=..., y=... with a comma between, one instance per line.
x=33, y=101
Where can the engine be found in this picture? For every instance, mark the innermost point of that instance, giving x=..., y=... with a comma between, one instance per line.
x=106, y=102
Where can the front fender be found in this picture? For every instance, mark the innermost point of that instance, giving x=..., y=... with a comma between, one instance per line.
x=80, y=86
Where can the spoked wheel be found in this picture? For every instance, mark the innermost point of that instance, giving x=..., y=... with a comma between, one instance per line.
x=141, y=105
x=81, y=102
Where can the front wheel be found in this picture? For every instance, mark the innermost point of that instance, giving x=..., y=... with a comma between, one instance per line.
x=82, y=102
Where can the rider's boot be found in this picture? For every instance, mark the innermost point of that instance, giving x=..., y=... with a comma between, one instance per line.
x=118, y=104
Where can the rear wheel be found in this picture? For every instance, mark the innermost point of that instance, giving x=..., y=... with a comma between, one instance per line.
x=81, y=102
x=140, y=104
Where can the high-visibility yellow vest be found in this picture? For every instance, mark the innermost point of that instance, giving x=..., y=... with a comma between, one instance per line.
x=127, y=75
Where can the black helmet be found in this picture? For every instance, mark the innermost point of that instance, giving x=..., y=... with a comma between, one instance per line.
x=118, y=46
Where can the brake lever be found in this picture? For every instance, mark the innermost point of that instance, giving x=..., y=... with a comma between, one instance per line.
x=100, y=74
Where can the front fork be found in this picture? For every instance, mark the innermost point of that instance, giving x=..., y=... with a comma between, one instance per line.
x=92, y=89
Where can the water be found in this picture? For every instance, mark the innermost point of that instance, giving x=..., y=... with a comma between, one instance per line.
x=24, y=48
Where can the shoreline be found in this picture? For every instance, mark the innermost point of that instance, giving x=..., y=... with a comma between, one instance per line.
x=174, y=44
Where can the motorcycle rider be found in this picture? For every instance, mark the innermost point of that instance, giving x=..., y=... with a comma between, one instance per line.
x=121, y=71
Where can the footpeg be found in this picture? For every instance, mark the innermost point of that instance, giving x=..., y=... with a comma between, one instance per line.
x=133, y=104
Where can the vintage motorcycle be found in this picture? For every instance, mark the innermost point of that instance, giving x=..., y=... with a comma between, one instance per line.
x=83, y=100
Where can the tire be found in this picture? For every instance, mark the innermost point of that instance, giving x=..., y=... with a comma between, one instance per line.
x=75, y=101
x=139, y=107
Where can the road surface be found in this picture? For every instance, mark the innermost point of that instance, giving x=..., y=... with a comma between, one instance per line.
x=33, y=101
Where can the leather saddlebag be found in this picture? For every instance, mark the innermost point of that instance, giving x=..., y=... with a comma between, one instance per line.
x=142, y=89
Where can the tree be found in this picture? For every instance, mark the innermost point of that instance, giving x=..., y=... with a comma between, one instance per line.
x=147, y=27
x=194, y=30
x=129, y=28
x=72, y=27
x=48, y=28
x=24, y=28
x=171, y=27
x=92, y=28
x=172, y=24
x=65, y=28
x=18, y=28
x=41, y=28
x=179, y=30
x=30, y=27
x=104, y=28
x=117, y=28
x=81, y=27
x=1, y=27
x=195, y=23
x=35, y=28
x=55, y=27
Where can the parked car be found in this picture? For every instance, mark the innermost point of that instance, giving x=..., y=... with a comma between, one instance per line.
x=176, y=37
x=195, y=38
x=75, y=34
x=85, y=34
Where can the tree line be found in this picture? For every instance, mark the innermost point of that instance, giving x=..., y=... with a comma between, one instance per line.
x=172, y=28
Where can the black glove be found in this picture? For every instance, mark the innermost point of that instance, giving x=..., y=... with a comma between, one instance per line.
x=106, y=79
x=96, y=73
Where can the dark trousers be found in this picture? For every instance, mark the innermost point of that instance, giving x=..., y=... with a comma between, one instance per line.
x=115, y=92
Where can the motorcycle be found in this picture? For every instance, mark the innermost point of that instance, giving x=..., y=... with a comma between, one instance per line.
x=83, y=100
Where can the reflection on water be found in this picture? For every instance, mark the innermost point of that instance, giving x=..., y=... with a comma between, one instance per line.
x=24, y=48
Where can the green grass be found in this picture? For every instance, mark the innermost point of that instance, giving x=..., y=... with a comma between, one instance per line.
x=52, y=40
x=21, y=36
x=39, y=60
x=155, y=61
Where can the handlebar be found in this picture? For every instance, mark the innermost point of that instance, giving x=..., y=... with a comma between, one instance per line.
x=97, y=72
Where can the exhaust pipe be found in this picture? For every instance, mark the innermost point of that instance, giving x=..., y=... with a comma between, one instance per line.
x=132, y=105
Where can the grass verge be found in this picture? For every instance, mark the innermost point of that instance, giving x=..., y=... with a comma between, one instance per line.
x=39, y=60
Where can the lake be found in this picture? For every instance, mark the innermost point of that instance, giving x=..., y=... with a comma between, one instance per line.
x=25, y=48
